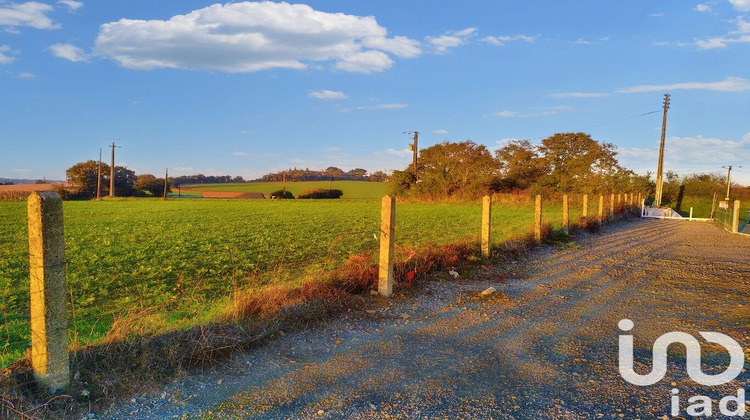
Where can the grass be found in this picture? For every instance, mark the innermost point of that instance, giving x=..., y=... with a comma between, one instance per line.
x=702, y=209
x=353, y=190
x=175, y=262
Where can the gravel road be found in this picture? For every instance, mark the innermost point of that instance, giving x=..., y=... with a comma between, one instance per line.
x=543, y=347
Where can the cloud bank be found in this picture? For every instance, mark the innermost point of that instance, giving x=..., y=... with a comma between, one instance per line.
x=247, y=37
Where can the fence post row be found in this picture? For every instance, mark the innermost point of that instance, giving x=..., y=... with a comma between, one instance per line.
x=49, y=323
x=486, y=225
x=612, y=205
x=736, y=217
x=565, y=215
x=538, y=218
x=601, y=208
x=387, y=226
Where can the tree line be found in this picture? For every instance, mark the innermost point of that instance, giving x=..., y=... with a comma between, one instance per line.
x=561, y=163
x=331, y=173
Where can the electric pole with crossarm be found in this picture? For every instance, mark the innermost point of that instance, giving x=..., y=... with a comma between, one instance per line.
x=660, y=168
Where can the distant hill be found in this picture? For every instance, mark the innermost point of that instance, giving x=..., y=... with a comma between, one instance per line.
x=18, y=181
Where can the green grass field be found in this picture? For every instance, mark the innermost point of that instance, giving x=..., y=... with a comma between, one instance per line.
x=353, y=190
x=184, y=257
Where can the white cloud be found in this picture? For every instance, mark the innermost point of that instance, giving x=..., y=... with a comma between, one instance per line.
x=741, y=5
x=579, y=95
x=25, y=75
x=657, y=14
x=327, y=94
x=253, y=36
x=441, y=131
x=502, y=40
x=399, y=46
x=443, y=43
x=689, y=154
x=22, y=171
x=383, y=106
x=399, y=153
x=581, y=41
x=730, y=84
x=72, y=4
x=239, y=154
x=741, y=35
x=703, y=7
x=514, y=114
x=68, y=52
x=366, y=62
x=5, y=58
x=30, y=13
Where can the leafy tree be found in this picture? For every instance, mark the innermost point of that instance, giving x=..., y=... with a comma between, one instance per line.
x=574, y=161
x=400, y=182
x=521, y=165
x=379, y=176
x=124, y=181
x=357, y=173
x=333, y=171
x=83, y=176
x=151, y=184
x=449, y=168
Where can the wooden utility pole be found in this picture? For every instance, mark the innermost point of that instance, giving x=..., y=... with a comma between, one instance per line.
x=415, y=151
x=166, y=178
x=112, y=172
x=729, y=179
x=660, y=168
x=99, y=176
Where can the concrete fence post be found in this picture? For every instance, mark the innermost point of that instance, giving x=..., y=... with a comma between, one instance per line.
x=387, y=229
x=601, y=208
x=565, y=215
x=49, y=321
x=619, y=198
x=538, y=219
x=486, y=225
x=736, y=217
x=612, y=205
x=585, y=210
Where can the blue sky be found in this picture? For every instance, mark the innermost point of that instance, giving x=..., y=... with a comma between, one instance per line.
x=246, y=88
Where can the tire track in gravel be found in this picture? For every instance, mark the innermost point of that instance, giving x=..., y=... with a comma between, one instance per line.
x=545, y=347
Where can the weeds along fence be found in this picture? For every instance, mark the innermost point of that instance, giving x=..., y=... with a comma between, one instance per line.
x=173, y=282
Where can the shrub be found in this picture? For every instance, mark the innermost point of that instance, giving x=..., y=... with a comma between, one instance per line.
x=282, y=194
x=321, y=193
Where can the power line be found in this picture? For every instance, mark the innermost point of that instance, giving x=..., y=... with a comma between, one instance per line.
x=604, y=123
x=625, y=119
